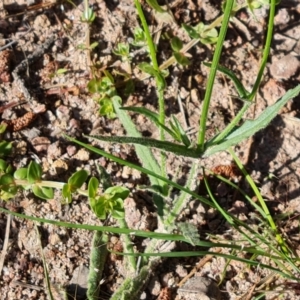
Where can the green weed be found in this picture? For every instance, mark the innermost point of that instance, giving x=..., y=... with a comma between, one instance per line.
x=268, y=244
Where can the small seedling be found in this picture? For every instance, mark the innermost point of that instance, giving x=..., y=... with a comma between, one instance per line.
x=140, y=39
x=177, y=45
x=123, y=50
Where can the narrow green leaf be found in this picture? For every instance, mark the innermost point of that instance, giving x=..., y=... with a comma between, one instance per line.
x=147, y=142
x=117, y=192
x=98, y=207
x=191, y=31
x=98, y=261
x=93, y=187
x=45, y=193
x=249, y=128
x=5, y=148
x=118, y=214
x=94, y=86
x=176, y=44
x=181, y=59
x=61, y=71
x=147, y=68
x=242, y=92
x=94, y=45
x=180, y=131
x=77, y=179
x=20, y=173
x=34, y=172
x=3, y=165
x=155, y=5
x=154, y=117
x=3, y=128
x=6, y=180
x=66, y=193
x=144, y=154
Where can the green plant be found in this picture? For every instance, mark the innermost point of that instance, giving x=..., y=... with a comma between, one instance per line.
x=230, y=136
x=269, y=244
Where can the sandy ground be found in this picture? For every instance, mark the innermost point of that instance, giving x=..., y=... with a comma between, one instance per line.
x=61, y=103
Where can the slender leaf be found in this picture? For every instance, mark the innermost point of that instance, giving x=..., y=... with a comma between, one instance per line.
x=3, y=165
x=242, y=92
x=144, y=154
x=21, y=173
x=77, y=179
x=67, y=194
x=158, y=75
x=155, y=5
x=93, y=187
x=176, y=44
x=154, y=117
x=34, y=172
x=249, y=128
x=5, y=148
x=147, y=142
x=43, y=192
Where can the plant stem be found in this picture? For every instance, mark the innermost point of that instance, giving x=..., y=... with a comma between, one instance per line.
x=87, y=37
x=98, y=257
x=127, y=245
x=251, y=96
x=267, y=49
x=193, y=42
x=45, y=183
x=261, y=201
x=212, y=74
x=161, y=102
x=147, y=34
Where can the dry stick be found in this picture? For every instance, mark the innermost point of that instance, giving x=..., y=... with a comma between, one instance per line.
x=23, y=65
x=5, y=244
x=16, y=283
x=243, y=28
x=198, y=266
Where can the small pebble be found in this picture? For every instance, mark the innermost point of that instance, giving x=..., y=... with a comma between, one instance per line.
x=82, y=155
x=40, y=143
x=71, y=150
x=58, y=167
x=202, y=288
x=54, y=150
x=63, y=113
x=285, y=67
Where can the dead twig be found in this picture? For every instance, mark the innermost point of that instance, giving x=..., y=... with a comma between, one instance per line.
x=5, y=244
x=23, y=65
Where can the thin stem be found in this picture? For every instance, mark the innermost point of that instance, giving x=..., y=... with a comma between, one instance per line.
x=251, y=96
x=261, y=201
x=161, y=102
x=267, y=49
x=147, y=34
x=212, y=74
x=128, y=248
x=87, y=37
x=50, y=184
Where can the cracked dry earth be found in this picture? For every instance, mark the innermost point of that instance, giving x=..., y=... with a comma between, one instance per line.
x=39, y=105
